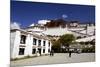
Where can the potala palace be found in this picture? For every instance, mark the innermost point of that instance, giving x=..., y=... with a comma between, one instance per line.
x=36, y=38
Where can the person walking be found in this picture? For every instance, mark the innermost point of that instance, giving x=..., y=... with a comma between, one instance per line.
x=70, y=53
x=52, y=53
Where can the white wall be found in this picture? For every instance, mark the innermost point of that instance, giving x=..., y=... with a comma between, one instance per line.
x=56, y=31
x=15, y=50
x=46, y=47
x=29, y=44
x=12, y=39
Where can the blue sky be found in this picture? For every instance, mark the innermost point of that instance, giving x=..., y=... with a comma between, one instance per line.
x=26, y=13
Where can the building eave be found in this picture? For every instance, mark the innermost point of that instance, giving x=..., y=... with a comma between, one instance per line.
x=34, y=35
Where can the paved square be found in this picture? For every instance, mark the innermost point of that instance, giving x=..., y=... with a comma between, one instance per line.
x=58, y=58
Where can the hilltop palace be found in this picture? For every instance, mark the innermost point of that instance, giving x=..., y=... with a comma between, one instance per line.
x=37, y=38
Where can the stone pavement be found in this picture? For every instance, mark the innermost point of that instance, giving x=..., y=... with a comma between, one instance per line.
x=58, y=58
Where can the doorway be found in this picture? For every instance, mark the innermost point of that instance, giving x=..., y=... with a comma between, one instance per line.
x=39, y=49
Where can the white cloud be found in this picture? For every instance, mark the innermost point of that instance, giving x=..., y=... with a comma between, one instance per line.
x=40, y=22
x=15, y=25
x=65, y=16
x=43, y=21
x=32, y=24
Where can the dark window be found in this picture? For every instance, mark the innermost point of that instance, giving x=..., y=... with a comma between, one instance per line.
x=39, y=42
x=39, y=49
x=43, y=43
x=34, y=41
x=23, y=39
x=21, y=51
x=43, y=50
x=33, y=51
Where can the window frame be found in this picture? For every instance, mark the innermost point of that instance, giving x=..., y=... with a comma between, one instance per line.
x=21, y=52
x=23, y=39
x=33, y=52
x=34, y=41
x=44, y=43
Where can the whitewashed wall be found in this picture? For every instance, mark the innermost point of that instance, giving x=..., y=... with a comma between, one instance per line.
x=15, y=48
x=12, y=39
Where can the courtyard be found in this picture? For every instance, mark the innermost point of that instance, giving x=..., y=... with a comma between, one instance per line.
x=58, y=58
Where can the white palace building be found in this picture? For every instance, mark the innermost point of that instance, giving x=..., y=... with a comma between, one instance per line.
x=33, y=40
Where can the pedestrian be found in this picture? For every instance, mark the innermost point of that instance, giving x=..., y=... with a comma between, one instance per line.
x=52, y=52
x=37, y=53
x=69, y=53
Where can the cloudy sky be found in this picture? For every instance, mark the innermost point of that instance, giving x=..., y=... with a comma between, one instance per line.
x=26, y=13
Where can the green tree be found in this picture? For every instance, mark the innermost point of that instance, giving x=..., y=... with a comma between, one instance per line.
x=67, y=39
x=56, y=45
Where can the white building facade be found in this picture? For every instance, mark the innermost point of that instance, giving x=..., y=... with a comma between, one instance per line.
x=25, y=43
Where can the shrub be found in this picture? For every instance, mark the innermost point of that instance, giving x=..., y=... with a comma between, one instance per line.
x=89, y=50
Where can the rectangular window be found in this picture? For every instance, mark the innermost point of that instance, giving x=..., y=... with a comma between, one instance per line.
x=39, y=42
x=39, y=49
x=43, y=50
x=23, y=39
x=21, y=51
x=43, y=43
x=34, y=41
x=33, y=51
